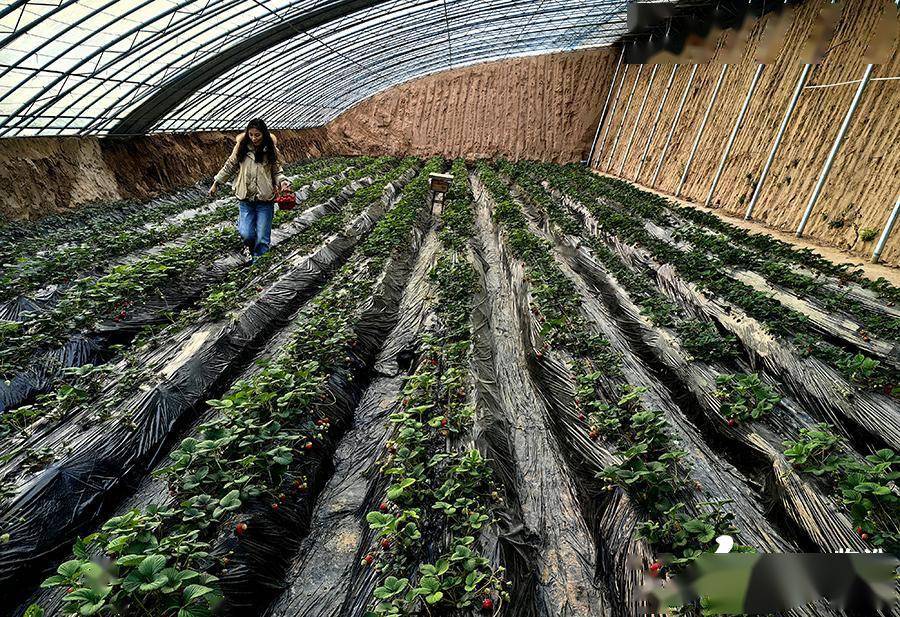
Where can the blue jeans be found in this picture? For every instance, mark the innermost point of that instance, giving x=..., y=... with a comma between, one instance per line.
x=255, y=225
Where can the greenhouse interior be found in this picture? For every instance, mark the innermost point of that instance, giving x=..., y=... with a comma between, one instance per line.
x=355, y=308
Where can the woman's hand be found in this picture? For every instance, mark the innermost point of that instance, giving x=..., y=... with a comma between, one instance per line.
x=285, y=186
x=213, y=188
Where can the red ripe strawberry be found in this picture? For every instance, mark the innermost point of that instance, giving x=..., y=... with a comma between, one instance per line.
x=368, y=559
x=383, y=507
x=859, y=530
x=864, y=537
x=385, y=544
x=240, y=528
x=581, y=417
x=309, y=445
x=731, y=422
x=69, y=590
x=406, y=402
x=275, y=506
x=655, y=566
x=487, y=605
x=443, y=421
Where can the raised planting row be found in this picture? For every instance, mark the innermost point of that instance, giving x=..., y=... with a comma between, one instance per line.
x=730, y=395
x=104, y=244
x=827, y=378
x=824, y=278
x=241, y=488
x=544, y=538
x=438, y=494
x=96, y=457
x=650, y=466
x=96, y=312
x=709, y=273
x=80, y=387
x=24, y=239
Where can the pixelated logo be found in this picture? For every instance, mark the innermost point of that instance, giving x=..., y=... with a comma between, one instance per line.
x=725, y=583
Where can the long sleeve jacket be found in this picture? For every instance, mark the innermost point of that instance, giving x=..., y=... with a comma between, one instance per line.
x=254, y=181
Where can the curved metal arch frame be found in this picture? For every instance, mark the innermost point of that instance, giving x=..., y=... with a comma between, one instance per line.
x=361, y=41
x=113, y=61
x=335, y=89
x=162, y=69
x=183, y=26
x=438, y=62
x=215, y=109
x=135, y=92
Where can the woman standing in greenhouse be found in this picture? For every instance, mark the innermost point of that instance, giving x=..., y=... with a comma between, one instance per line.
x=257, y=163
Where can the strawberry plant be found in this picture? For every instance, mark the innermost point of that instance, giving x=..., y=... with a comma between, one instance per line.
x=866, y=487
x=651, y=468
x=745, y=397
x=432, y=488
x=248, y=451
x=705, y=270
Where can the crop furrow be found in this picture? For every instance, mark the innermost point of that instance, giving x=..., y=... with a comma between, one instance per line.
x=20, y=241
x=835, y=318
x=564, y=346
x=329, y=572
x=801, y=269
x=712, y=384
x=193, y=369
x=265, y=443
x=565, y=580
x=114, y=309
x=778, y=339
x=36, y=284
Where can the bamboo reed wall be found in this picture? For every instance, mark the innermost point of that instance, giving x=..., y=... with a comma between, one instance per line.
x=864, y=183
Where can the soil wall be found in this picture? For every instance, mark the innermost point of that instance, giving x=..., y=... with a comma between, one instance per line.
x=44, y=175
x=540, y=107
x=864, y=182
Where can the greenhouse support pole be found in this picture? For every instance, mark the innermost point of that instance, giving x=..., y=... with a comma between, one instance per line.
x=662, y=155
x=834, y=149
x=888, y=227
x=638, y=119
x=615, y=142
x=612, y=85
x=712, y=102
x=734, y=132
x=659, y=109
x=612, y=113
x=798, y=90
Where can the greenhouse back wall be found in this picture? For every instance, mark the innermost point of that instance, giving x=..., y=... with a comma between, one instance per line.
x=359, y=308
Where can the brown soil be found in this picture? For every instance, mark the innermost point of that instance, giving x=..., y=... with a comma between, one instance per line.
x=45, y=175
x=862, y=186
x=538, y=107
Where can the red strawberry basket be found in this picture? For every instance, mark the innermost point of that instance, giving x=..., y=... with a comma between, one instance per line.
x=286, y=200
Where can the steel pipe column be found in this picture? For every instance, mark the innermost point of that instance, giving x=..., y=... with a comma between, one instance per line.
x=737, y=127
x=798, y=90
x=615, y=142
x=662, y=103
x=854, y=104
x=612, y=84
x=638, y=118
x=662, y=155
x=712, y=102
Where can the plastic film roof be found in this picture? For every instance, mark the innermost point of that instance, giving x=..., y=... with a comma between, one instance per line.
x=98, y=67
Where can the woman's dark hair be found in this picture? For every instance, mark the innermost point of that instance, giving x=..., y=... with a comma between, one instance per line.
x=266, y=152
